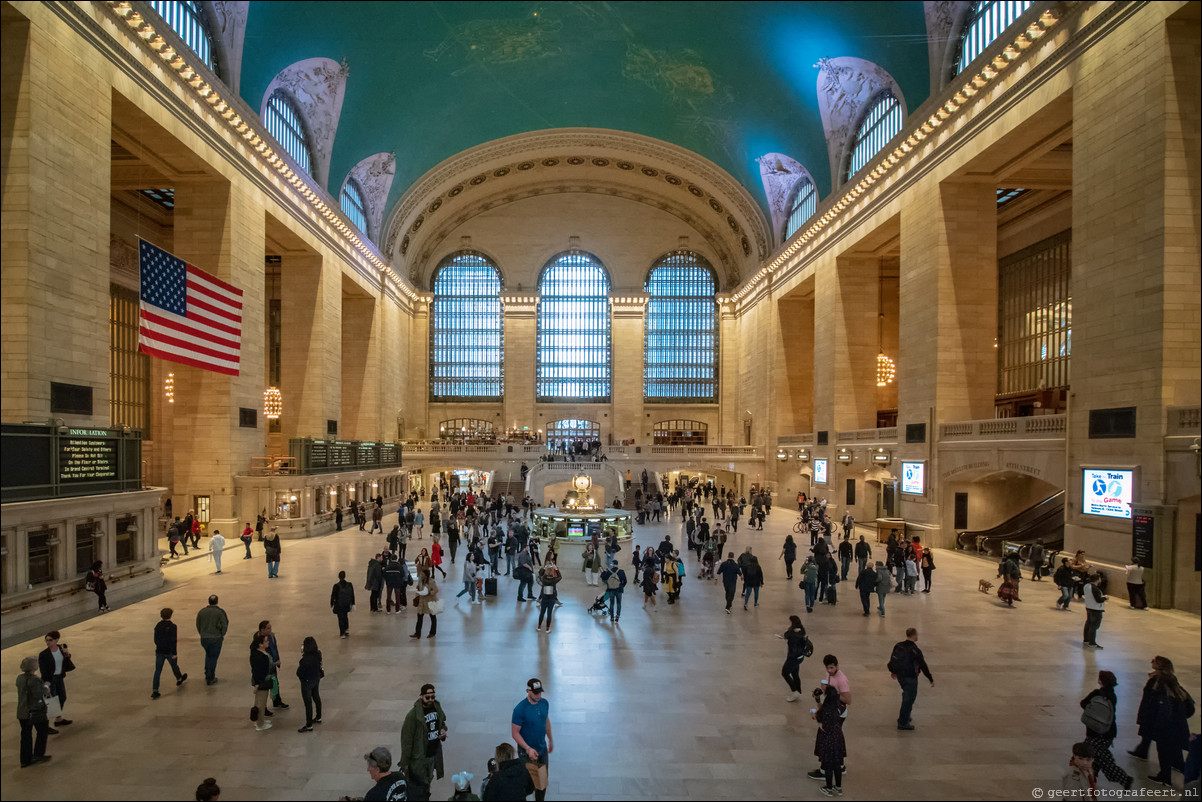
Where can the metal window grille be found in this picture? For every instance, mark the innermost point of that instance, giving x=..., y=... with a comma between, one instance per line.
x=466, y=333
x=805, y=203
x=573, y=330
x=986, y=22
x=465, y=429
x=129, y=370
x=352, y=203
x=681, y=336
x=85, y=547
x=185, y=18
x=124, y=538
x=1035, y=316
x=882, y=123
x=284, y=123
x=571, y=430
x=40, y=557
x=680, y=433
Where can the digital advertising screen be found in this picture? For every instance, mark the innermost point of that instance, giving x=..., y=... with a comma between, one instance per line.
x=819, y=471
x=1107, y=492
x=914, y=478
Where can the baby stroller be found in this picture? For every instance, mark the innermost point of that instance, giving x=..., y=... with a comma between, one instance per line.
x=599, y=604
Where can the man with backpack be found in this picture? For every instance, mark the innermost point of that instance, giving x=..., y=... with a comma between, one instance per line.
x=905, y=664
x=615, y=584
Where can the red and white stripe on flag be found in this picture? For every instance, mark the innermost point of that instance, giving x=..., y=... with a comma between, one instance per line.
x=187, y=315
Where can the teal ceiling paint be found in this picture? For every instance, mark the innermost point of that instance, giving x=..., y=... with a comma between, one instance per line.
x=729, y=81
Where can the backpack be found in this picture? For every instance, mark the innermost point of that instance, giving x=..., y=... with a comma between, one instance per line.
x=612, y=582
x=345, y=594
x=1098, y=714
x=807, y=648
x=901, y=662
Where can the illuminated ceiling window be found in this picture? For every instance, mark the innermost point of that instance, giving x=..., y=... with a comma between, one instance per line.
x=1005, y=196
x=882, y=122
x=572, y=430
x=805, y=203
x=681, y=336
x=466, y=336
x=284, y=123
x=187, y=20
x=162, y=197
x=573, y=330
x=987, y=20
x=353, y=204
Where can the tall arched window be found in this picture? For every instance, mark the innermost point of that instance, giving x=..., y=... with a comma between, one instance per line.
x=880, y=124
x=573, y=330
x=985, y=23
x=353, y=204
x=466, y=336
x=284, y=123
x=187, y=20
x=803, y=205
x=681, y=340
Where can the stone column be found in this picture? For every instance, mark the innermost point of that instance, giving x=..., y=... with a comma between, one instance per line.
x=521, y=347
x=626, y=388
x=311, y=310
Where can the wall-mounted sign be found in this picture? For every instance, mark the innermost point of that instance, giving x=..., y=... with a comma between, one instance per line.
x=819, y=471
x=1143, y=528
x=914, y=478
x=1107, y=492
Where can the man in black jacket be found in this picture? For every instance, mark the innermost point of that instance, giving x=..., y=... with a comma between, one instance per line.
x=729, y=571
x=342, y=601
x=905, y=664
x=166, y=633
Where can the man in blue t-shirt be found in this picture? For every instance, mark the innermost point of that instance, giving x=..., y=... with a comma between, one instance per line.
x=531, y=728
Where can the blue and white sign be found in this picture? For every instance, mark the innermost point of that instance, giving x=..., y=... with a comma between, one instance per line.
x=914, y=478
x=1107, y=492
x=819, y=471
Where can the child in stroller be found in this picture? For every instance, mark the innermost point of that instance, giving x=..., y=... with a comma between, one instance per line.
x=599, y=604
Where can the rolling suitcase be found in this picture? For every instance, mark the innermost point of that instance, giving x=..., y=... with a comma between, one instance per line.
x=490, y=586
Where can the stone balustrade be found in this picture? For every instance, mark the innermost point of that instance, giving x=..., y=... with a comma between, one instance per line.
x=1039, y=427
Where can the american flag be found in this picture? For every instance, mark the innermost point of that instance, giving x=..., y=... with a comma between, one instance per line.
x=186, y=315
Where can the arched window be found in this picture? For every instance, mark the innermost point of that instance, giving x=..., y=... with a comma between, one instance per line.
x=573, y=330
x=466, y=337
x=572, y=430
x=353, y=204
x=880, y=124
x=680, y=433
x=985, y=23
x=187, y=20
x=681, y=339
x=466, y=430
x=805, y=203
x=284, y=123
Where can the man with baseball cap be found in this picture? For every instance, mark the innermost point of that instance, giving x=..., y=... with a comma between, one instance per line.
x=531, y=727
x=389, y=786
x=422, y=734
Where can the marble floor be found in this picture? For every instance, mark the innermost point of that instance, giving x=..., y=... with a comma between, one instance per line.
x=683, y=702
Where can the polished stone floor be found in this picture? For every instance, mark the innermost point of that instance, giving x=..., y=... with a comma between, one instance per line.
x=680, y=703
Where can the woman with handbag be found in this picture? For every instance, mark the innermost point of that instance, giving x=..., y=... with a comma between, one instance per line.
x=829, y=744
x=426, y=601
x=31, y=714
x=1101, y=728
x=261, y=666
x=94, y=583
x=310, y=672
x=54, y=662
x=271, y=546
x=548, y=578
x=1163, y=719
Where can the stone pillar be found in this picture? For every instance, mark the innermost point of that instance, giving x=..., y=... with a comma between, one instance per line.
x=795, y=364
x=854, y=318
x=358, y=356
x=730, y=430
x=221, y=230
x=628, y=356
x=521, y=349
x=311, y=309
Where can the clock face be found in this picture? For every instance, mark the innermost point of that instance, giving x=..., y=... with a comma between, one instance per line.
x=582, y=483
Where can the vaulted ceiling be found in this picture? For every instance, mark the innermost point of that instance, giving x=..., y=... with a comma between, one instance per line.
x=727, y=81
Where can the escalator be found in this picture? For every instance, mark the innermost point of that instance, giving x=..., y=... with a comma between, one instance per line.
x=1044, y=521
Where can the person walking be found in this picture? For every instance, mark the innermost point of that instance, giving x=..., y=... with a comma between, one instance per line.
x=375, y=581
x=591, y=566
x=788, y=553
x=1036, y=558
x=809, y=582
x=614, y=579
x=309, y=671
x=1164, y=713
x=166, y=638
x=863, y=552
x=729, y=572
x=524, y=574
x=1135, y=587
x=884, y=581
x=469, y=579
x=32, y=714
x=796, y=644
x=845, y=554
x=548, y=594
x=530, y=728
x=271, y=546
x=94, y=583
x=396, y=578
x=928, y=567
x=829, y=745
x=260, y=678
x=905, y=664
x=1066, y=581
x=866, y=585
x=342, y=602
x=211, y=624
x=216, y=546
x=427, y=602
x=1101, y=728
x=1095, y=606
x=54, y=662
x=436, y=555
x=247, y=536
x=753, y=578
x=422, y=736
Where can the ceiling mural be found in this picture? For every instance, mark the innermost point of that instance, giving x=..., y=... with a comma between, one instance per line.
x=727, y=81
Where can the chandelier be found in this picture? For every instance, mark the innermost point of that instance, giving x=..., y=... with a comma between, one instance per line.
x=273, y=403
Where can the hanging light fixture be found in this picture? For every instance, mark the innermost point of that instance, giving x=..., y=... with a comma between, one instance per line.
x=273, y=403
x=169, y=388
x=885, y=369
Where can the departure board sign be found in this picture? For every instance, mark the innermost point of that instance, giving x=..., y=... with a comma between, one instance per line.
x=328, y=456
x=56, y=461
x=86, y=456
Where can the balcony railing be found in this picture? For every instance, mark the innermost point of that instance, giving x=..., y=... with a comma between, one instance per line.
x=419, y=447
x=1039, y=427
x=806, y=439
x=887, y=434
